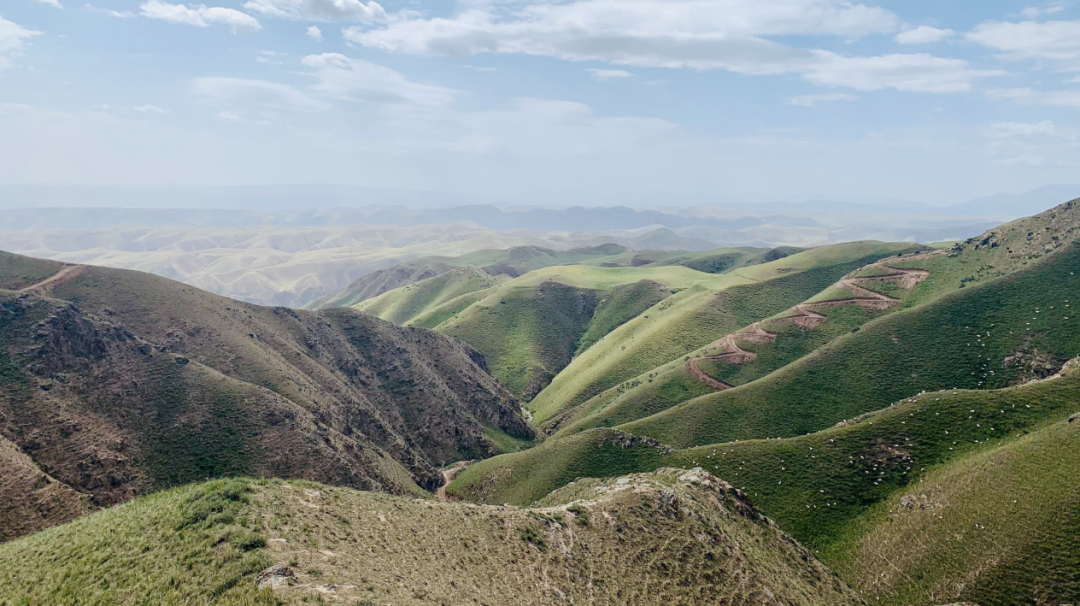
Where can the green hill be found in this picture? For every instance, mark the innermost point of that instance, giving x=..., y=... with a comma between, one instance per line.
x=840, y=491
x=672, y=537
x=696, y=317
x=529, y=328
x=115, y=383
x=511, y=262
x=403, y=304
x=994, y=334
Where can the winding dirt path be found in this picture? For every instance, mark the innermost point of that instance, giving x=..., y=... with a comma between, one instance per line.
x=66, y=273
x=448, y=476
x=806, y=315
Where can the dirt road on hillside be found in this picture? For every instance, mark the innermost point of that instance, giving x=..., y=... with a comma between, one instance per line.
x=448, y=476
x=66, y=273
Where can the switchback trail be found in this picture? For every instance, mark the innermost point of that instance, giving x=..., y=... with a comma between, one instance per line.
x=807, y=316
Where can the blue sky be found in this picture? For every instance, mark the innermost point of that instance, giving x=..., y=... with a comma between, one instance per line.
x=546, y=101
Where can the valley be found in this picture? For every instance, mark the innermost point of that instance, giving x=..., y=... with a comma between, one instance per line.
x=885, y=423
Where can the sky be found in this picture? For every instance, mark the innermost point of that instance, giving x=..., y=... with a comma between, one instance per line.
x=546, y=101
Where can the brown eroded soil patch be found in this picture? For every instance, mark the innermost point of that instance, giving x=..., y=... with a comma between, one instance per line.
x=806, y=316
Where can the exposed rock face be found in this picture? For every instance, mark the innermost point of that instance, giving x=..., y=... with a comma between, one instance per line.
x=122, y=382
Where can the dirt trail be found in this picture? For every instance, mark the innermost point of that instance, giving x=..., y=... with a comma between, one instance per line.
x=806, y=315
x=448, y=476
x=66, y=273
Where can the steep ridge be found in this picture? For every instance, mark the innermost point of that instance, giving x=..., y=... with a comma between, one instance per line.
x=120, y=383
x=671, y=537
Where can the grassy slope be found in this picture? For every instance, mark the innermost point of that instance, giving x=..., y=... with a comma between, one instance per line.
x=998, y=528
x=698, y=316
x=529, y=328
x=970, y=452
x=403, y=304
x=959, y=340
x=511, y=262
x=671, y=538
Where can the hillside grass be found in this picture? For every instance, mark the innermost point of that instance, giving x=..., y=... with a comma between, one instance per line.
x=190, y=546
x=696, y=317
x=997, y=528
x=207, y=544
x=958, y=340
x=406, y=303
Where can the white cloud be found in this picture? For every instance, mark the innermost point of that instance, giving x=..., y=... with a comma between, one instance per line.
x=1034, y=12
x=1029, y=96
x=110, y=12
x=228, y=117
x=1054, y=41
x=150, y=109
x=269, y=57
x=604, y=75
x=55, y=3
x=697, y=34
x=1032, y=144
x=199, y=16
x=924, y=34
x=261, y=92
x=920, y=73
x=319, y=10
x=810, y=100
x=353, y=79
x=701, y=34
x=315, y=33
x=12, y=39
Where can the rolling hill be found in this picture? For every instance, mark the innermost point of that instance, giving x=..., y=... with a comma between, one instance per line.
x=117, y=383
x=671, y=537
x=919, y=435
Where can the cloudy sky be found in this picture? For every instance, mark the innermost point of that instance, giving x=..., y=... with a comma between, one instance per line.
x=937, y=101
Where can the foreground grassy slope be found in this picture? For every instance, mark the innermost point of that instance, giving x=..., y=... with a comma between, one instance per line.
x=115, y=383
x=998, y=528
x=890, y=500
x=666, y=538
x=1008, y=329
x=698, y=316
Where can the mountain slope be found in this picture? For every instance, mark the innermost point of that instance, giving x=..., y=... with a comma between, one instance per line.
x=1005, y=330
x=117, y=383
x=403, y=304
x=670, y=537
x=511, y=262
x=695, y=317
x=956, y=495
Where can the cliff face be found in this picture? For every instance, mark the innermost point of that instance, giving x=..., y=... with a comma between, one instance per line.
x=115, y=383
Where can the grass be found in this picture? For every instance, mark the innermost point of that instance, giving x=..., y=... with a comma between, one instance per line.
x=191, y=546
x=997, y=528
x=989, y=473
x=529, y=328
x=696, y=317
x=646, y=539
x=406, y=303
x=958, y=340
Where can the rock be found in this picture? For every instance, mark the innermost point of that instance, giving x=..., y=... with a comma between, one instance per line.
x=1074, y=418
x=274, y=577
